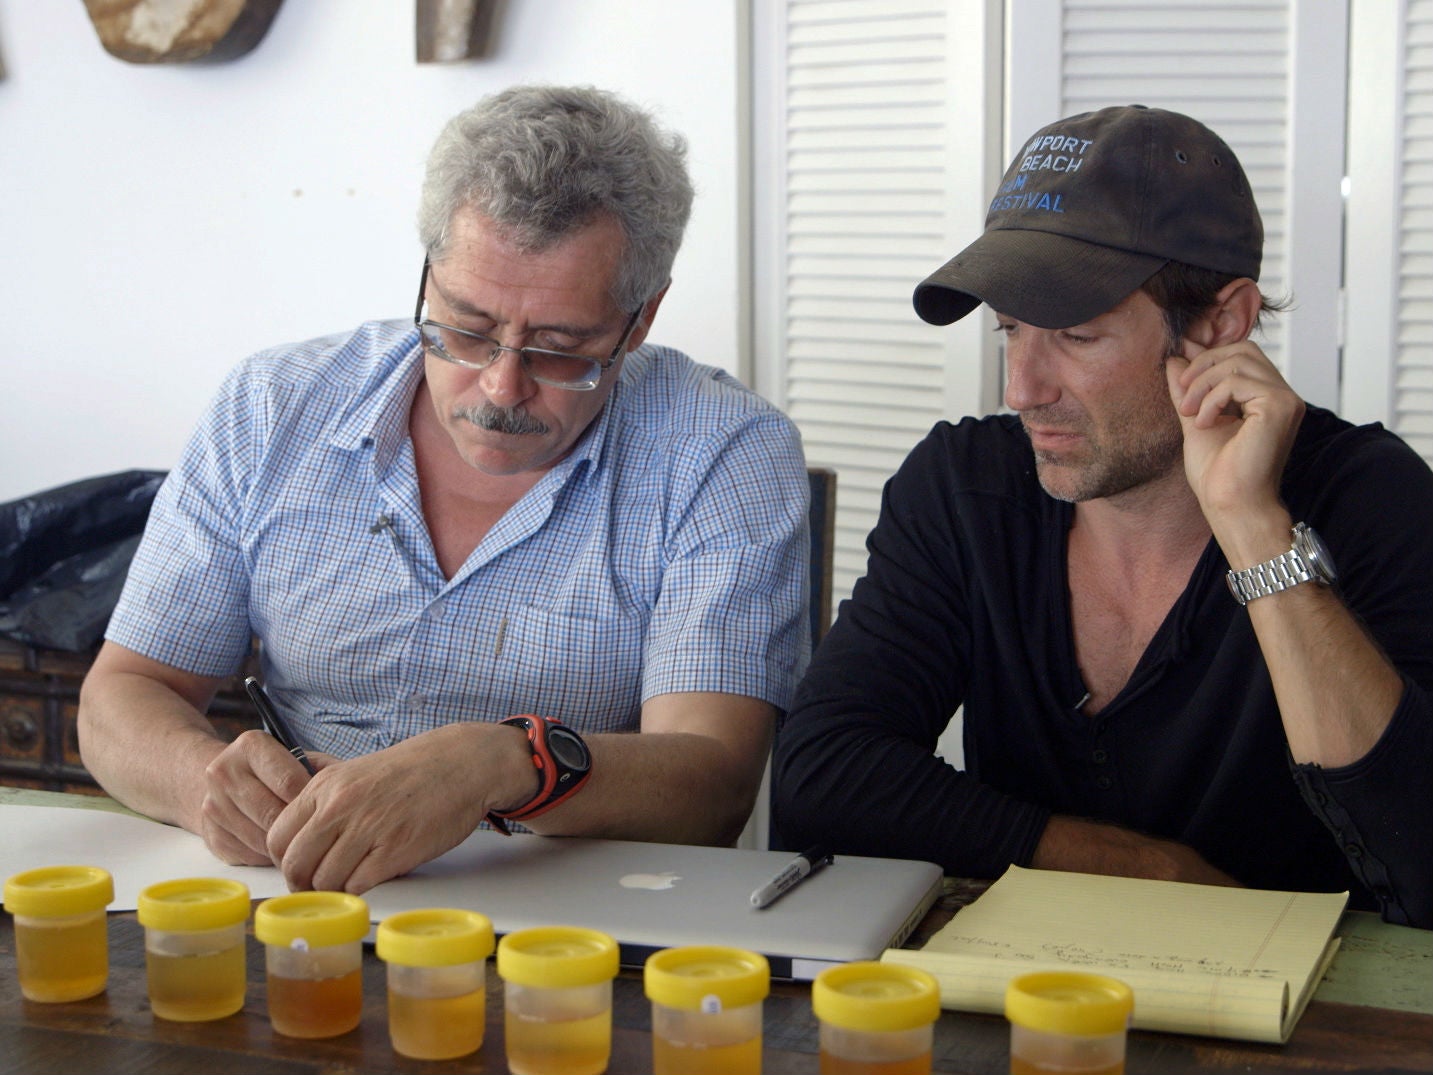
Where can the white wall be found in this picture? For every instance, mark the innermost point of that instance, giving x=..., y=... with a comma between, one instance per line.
x=158, y=223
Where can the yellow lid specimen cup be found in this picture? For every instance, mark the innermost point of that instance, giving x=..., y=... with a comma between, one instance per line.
x=557, y=957
x=1069, y=1002
x=706, y=978
x=59, y=891
x=193, y=904
x=311, y=919
x=438, y=937
x=873, y=996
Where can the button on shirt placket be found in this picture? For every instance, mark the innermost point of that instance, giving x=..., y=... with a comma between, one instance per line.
x=1101, y=758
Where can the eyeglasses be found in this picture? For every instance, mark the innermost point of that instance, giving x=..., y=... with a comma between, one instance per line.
x=473, y=350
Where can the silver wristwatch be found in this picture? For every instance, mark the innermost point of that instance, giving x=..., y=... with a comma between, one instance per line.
x=1307, y=561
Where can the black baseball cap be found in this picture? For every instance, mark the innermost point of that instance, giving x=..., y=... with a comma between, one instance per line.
x=1093, y=206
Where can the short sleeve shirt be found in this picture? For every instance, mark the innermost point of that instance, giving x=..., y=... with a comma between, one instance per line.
x=666, y=553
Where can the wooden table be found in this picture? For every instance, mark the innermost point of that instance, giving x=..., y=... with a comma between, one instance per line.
x=115, y=1033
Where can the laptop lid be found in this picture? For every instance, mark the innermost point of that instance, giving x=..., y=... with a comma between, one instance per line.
x=650, y=896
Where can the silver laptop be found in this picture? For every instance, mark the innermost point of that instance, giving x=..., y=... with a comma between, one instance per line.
x=650, y=896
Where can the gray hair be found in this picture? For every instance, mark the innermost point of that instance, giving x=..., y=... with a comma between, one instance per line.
x=544, y=161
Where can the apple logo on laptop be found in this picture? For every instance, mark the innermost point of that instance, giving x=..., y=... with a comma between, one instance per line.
x=654, y=882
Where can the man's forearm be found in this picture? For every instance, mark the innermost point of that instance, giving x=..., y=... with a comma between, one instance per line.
x=1097, y=847
x=1335, y=688
x=146, y=746
x=673, y=787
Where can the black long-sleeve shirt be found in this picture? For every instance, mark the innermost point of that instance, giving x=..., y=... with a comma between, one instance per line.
x=965, y=601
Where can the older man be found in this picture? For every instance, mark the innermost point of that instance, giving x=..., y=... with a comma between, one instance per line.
x=1123, y=581
x=479, y=549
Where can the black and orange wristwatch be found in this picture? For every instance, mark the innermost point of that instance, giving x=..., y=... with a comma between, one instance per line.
x=563, y=765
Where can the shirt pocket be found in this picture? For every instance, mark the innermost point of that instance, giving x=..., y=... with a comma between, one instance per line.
x=584, y=670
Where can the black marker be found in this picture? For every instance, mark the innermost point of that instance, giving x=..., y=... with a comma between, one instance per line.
x=802, y=867
x=274, y=724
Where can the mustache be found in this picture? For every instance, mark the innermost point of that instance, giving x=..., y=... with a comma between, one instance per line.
x=511, y=420
x=1048, y=416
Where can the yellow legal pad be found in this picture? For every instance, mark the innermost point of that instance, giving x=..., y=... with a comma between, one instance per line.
x=1225, y=962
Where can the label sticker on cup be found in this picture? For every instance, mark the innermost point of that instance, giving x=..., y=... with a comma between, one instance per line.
x=711, y=1005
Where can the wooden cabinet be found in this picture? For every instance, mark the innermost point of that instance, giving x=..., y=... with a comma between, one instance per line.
x=39, y=700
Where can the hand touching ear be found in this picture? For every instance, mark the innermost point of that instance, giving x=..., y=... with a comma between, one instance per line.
x=1240, y=417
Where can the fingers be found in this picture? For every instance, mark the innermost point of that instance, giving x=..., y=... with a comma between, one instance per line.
x=1237, y=380
x=247, y=786
x=1174, y=370
x=298, y=846
x=242, y=846
x=361, y=821
x=335, y=837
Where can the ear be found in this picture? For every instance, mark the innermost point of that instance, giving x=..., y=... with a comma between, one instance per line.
x=645, y=318
x=1232, y=315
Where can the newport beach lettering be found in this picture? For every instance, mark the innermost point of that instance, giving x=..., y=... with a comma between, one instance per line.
x=1048, y=153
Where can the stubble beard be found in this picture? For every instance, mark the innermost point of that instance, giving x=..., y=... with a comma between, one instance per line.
x=1142, y=448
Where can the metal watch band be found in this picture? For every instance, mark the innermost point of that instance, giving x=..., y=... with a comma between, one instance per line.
x=1307, y=561
x=1261, y=580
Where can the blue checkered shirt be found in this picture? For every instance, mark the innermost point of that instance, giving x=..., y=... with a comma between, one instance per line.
x=666, y=553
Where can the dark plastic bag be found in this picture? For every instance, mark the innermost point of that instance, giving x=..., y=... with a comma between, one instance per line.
x=64, y=555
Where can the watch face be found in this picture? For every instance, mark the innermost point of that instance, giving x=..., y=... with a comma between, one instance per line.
x=568, y=749
x=1315, y=553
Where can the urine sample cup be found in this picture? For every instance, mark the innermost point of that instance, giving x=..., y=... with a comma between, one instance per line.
x=61, y=934
x=314, y=958
x=1067, y=1022
x=557, y=999
x=194, y=947
x=706, y=1009
x=875, y=1018
x=437, y=981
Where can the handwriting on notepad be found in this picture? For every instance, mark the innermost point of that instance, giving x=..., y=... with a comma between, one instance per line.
x=1086, y=956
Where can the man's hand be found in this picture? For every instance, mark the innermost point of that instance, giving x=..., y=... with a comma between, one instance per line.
x=1098, y=847
x=365, y=820
x=1240, y=418
x=246, y=787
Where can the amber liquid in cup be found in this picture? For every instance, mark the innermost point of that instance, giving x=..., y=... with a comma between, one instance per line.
x=436, y=1028
x=739, y=1058
x=578, y=1046
x=196, y=988
x=1025, y=1067
x=315, y=1007
x=62, y=959
x=840, y=1065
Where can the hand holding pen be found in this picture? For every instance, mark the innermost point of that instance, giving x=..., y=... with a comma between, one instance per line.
x=274, y=724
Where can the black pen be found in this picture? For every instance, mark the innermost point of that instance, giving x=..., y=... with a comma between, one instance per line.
x=274, y=724
x=802, y=867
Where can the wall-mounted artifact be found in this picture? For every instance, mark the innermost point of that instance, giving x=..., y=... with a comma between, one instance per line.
x=452, y=30
x=180, y=31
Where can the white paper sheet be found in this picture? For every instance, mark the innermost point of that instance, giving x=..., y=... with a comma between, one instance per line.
x=137, y=852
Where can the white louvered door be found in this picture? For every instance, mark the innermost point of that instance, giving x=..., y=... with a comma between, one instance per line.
x=874, y=156
x=1389, y=358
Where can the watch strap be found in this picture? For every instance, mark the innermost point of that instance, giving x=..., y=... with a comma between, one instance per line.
x=1283, y=572
x=557, y=782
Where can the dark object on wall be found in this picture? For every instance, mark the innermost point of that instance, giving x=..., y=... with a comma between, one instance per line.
x=451, y=30
x=163, y=31
x=64, y=555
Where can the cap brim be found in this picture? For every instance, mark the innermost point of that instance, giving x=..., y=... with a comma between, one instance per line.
x=1042, y=279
